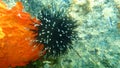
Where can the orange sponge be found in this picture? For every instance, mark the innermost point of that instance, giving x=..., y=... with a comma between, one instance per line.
x=16, y=39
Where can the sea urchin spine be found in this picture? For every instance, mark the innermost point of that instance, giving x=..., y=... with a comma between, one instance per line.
x=56, y=32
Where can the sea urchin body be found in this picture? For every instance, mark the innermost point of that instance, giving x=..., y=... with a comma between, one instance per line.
x=56, y=31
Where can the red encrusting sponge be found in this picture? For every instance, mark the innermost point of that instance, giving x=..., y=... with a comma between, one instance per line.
x=17, y=46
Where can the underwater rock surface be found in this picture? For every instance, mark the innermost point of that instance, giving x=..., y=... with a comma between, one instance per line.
x=99, y=33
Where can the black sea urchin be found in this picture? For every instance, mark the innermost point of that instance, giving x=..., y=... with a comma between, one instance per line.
x=56, y=30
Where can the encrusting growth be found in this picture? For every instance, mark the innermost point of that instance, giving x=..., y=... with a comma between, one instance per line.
x=17, y=46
